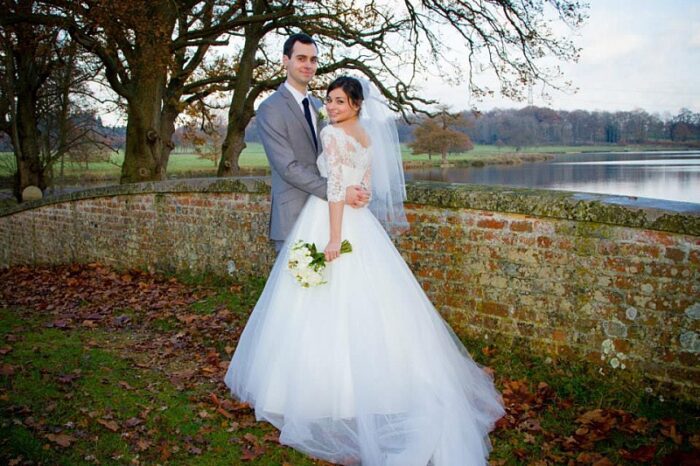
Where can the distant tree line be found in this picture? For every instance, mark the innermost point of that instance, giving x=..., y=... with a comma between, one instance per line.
x=543, y=126
x=513, y=127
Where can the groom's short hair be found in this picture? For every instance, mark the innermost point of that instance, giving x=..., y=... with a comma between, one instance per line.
x=293, y=39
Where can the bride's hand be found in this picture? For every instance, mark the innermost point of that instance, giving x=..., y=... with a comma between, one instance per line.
x=332, y=250
x=356, y=196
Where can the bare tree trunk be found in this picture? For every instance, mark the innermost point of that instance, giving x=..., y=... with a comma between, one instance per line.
x=26, y=137
x=27, y=151
x=231, y=149
x=66, y=79
x=167, y=129
x=241, y=109
x=61, y=172
x=148, y=145
x=144, y=143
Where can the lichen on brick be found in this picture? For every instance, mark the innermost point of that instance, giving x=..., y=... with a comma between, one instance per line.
x=591, y=208
x=614, y=328
x=693, y=311
x=690, y=341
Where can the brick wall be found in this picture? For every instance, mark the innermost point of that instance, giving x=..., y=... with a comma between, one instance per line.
x=572, y=277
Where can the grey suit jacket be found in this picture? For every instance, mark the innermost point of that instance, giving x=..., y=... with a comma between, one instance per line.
x=289, y=147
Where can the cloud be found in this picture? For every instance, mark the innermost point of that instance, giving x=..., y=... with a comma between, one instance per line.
x=694, y=40
x=607, y=48
x=635, y=54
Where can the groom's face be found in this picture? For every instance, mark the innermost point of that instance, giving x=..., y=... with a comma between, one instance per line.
x=301, y=66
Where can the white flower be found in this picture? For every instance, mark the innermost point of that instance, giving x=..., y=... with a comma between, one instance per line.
x=296, y=258
x=615, y=363
x=649, y=390
x=315, y=279
x=322, y=114
x=306, y=262
x=299, y=256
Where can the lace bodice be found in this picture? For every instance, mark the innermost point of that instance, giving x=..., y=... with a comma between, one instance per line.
x=344, y=162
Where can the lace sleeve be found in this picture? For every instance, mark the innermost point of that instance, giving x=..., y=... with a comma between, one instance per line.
x=367, y=180
x=331, y=150
x=367, y=177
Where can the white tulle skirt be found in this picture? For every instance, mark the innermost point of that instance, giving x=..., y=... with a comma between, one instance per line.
x=362, y=369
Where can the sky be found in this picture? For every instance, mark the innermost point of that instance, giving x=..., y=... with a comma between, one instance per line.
x=635, y=54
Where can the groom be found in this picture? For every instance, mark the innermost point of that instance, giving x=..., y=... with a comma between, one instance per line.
x=289, y=129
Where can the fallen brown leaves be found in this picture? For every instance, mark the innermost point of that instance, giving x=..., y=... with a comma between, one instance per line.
x=90, y=294
x=165, y=335
x=63, y=440
x=193, y=349
x=525, y=406
x=7, y=369
x=93, y=295
x=109, y=424
x=228, y=407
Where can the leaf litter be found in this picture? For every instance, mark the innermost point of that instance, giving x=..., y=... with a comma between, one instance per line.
x=166, y=334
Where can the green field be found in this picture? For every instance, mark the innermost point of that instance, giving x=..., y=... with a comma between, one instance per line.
x=253, y=157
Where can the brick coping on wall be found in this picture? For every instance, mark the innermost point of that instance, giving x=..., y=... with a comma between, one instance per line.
x=669, y=216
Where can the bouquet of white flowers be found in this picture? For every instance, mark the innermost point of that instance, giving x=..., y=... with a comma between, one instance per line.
x=306, y=263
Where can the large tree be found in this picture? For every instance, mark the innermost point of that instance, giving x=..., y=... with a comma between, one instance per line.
x=42, y=73
x=150, y=51
x=157, y=56
x=442, y=134
x=396, y=43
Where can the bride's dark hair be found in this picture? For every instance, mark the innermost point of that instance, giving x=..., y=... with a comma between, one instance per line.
x=351, y=87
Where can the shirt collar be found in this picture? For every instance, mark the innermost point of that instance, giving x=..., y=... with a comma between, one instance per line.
x=298, y=96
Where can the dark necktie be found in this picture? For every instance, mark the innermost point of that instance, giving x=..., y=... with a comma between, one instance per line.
x=307, y=115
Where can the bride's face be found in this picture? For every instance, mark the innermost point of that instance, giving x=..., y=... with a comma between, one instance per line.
x=339, y=107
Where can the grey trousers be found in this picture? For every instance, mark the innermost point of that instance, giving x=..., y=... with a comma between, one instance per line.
x=278, y=245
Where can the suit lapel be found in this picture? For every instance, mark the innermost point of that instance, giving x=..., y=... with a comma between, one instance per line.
x=296, y=110
x=317, y=105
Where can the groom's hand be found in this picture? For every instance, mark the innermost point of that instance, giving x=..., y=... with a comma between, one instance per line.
x=356, y=196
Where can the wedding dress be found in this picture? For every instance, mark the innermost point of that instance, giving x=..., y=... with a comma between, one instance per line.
x=362, y=369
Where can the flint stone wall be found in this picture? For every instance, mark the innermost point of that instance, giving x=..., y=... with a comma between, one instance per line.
x=572, y=276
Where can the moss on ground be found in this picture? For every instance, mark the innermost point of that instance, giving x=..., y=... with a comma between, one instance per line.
x=144, y=387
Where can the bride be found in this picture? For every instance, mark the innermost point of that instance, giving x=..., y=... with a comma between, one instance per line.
x=361, y=369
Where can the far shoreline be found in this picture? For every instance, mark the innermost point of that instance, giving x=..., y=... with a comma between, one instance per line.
x=254, y=163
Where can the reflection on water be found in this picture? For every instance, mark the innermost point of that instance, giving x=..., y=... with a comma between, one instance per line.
x=671, y=176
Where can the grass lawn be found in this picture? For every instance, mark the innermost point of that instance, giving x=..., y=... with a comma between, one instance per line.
x=253, y=157
x=122, y=367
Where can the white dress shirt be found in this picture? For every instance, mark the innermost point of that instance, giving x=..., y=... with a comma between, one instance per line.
x=298, y=96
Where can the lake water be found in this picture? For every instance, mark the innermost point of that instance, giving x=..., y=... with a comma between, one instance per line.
x=670, y=176
x=655, y=177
